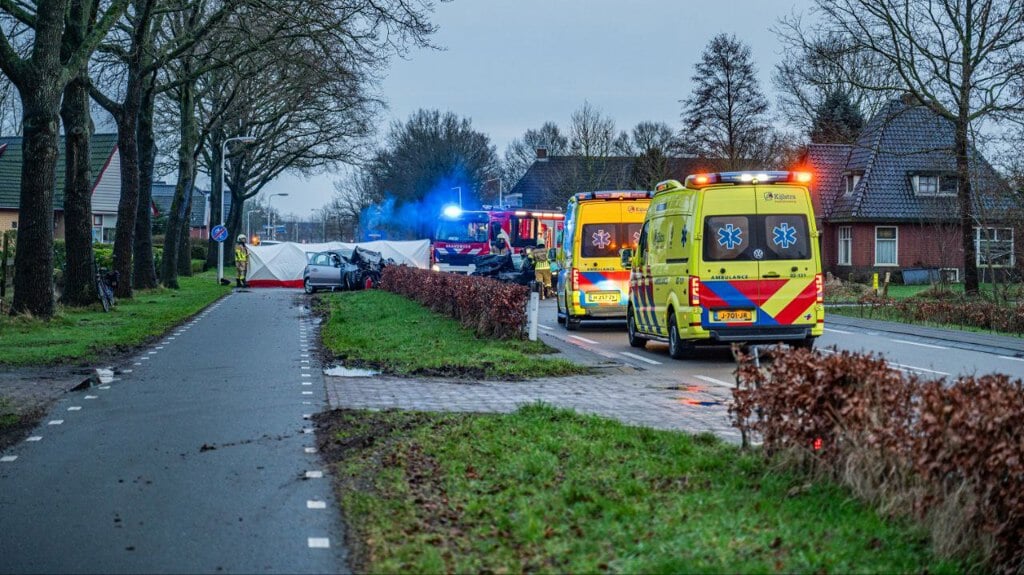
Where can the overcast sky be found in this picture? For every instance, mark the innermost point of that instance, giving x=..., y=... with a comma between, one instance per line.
x=511, y=65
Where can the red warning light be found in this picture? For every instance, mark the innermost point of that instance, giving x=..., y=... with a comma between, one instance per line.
x=817, y=444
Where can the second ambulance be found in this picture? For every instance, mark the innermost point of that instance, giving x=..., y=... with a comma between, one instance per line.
x=729, y=257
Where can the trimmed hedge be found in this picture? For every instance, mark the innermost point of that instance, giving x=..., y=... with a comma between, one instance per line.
x=488, y=307
x=950, y=453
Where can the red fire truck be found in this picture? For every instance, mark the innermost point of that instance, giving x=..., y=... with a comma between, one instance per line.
x=462, y=237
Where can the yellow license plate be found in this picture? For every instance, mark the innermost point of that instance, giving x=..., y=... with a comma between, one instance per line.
x=603, y=297
x=734, y=315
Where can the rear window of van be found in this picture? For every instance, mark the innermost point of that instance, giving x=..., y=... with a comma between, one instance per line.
x=756, y=237
x=605, y=240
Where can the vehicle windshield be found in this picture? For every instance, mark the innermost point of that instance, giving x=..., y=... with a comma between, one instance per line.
x=466, y=229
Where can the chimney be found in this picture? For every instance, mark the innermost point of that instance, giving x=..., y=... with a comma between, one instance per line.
x=909, y=99
x=542, y=154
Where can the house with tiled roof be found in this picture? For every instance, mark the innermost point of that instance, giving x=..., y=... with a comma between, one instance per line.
x=105, y=164
x=163, y=195
x=551, y=180
x=889, y=203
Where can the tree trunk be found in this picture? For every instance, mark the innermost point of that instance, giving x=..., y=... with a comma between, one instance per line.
x=185, y=245
x=145, y=273
x=79, y=281
x=216, y=193
x=33, y=261
x=176, y=240
x=963, y=168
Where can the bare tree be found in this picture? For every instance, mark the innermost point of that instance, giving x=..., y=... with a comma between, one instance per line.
x=963, y=59
x=521, y=152
x=40, y=73
x=819, y=64
x=591, y=133
x=727, y=115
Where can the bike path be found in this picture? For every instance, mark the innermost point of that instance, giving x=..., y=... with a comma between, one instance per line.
x=972, y=340
x=199, y=459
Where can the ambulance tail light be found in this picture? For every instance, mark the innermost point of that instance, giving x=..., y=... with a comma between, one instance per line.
x=575, y=279
x=819, y=285
x=694, y=291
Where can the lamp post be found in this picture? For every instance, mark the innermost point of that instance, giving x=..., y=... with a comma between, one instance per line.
x=499, y=190
x=223, y=188
x=248, y=222
x=459, y=188
x=273, y=230
x=323, y=233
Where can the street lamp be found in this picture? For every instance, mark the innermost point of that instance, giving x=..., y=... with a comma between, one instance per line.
x=273, y=230
x=460, y=194
x=499, y=190
x=248, y=222
x=223, y=188
x=323, y=236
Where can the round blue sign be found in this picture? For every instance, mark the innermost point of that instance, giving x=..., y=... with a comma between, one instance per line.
x=219, y=233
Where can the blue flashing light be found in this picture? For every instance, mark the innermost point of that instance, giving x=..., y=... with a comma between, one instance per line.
x=451, y=211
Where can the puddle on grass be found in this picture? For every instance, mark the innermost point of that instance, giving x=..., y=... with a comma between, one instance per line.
x=341, y=371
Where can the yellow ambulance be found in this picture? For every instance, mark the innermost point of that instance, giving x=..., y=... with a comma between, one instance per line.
x=729, y=257
x=592, y=282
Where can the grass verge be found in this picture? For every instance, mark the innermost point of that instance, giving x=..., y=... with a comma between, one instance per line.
x=395, y=335
x=548, y=490
x=85, y=334
x=885, y=314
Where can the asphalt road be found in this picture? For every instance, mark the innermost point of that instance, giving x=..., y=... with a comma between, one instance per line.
x=197, y=460
x=925, y=356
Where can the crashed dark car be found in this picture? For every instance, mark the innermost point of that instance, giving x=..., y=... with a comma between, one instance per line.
x=343, y=270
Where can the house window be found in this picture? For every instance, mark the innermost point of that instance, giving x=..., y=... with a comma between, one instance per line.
x=14, y=224
x=850, y=182
x=97, y=220
x=934, y=185
x=886, y=246
x=994, y=247
x=845, y=245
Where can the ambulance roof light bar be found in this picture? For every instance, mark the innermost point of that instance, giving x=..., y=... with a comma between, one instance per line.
x=614, y=195
x=697, y=181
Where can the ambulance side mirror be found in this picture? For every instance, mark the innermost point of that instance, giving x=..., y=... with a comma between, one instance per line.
x=552, y=253
x=626, y=255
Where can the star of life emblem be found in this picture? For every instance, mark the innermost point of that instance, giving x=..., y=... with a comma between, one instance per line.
x=730, y=236
x=601, y=239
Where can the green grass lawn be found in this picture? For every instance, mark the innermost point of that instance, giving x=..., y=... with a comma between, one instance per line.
x=388, y=332
x=83, y=334
x=551, y=491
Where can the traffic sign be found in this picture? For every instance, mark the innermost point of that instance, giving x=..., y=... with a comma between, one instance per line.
x=219, y=233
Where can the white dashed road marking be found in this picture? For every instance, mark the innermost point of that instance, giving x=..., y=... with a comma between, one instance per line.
x=8, y=458
x=75, y=408
x=902, y=367
x=640, y=358
x=34, y=438
x=919, y=344
x=585, y=340
x=319, y=543
x=832, y=329
x=92, y=397
x=310, y=450
x=1011, y=358
x=307, y=393
x=310, y=504
x=547, y=327
x=55, y=422
x=713, y=381
x=314, y=474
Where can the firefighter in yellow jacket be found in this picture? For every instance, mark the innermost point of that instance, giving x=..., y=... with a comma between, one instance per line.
x=541, y=268
x=241, y=260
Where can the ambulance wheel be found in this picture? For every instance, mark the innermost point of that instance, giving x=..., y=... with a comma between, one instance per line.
x=560, y=319
x=308, y=287
x=634, y=339
x=572, y=323
x=677, y=348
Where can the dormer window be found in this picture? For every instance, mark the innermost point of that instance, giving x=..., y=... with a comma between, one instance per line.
x=850, y=181
x=934, y=184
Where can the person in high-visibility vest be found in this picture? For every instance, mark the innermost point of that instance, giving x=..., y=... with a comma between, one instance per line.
x=241, y=260
x=541, y=268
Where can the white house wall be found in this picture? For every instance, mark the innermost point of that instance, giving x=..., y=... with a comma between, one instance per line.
x=108, y=190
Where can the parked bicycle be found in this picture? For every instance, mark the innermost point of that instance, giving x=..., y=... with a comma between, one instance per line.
x=106, y=283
